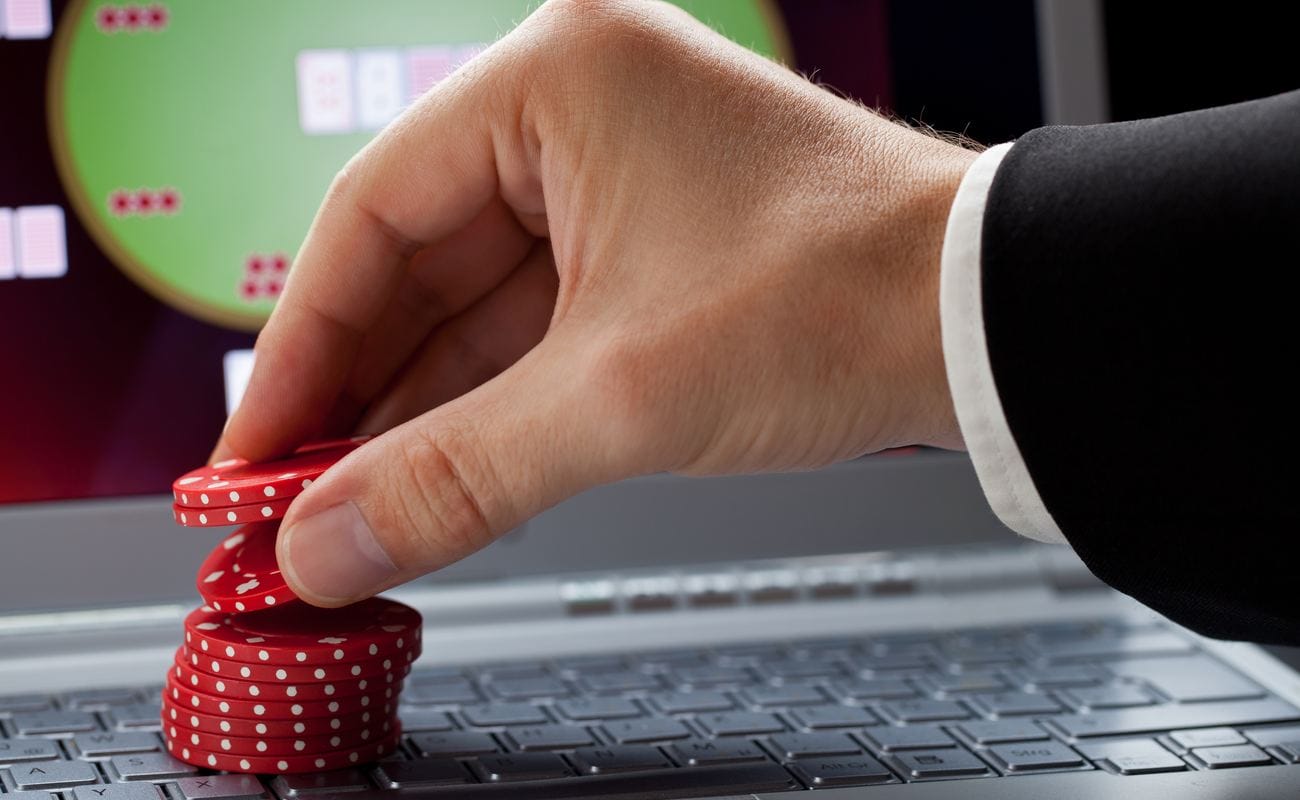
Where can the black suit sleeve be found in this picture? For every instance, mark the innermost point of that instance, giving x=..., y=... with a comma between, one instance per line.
x=1141, y=306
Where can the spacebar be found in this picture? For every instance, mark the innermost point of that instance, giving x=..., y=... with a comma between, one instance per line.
x=1164, y=718
x=656, y=785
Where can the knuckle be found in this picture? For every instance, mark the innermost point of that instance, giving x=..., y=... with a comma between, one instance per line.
x=439, y=501
x=626, y=380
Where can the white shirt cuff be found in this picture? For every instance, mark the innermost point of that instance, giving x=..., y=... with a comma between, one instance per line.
x=1001, y=469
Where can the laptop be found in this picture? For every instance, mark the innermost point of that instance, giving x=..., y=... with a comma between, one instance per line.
x=864, y=631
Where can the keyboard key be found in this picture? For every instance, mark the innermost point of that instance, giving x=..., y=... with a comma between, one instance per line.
x=619, y=758
x=521, y=767
x=1063, y=676
x=529, y=688
x=95, y=745
x=1264, y=737
x=1195, y=679
x=740, y=723
x=1241, y=755
x=871, y=666
x=436, y=674
x=1115, y=646
x=417, y=774
x=1017, y=704
x=587, y=708
x=1103, y=697
x=858, y=770
x=931, y=764
x=118, y=791
x=1207, y=737
x=220, y=787
x=800, y=745
x=501, y=672
x=670, y=659
x=1133, y=757
x=424, y=719
x=343, y=780
x=53, y=775
x=875, y=689
x=549, y=737
x=621, y=681
x=790, y=695
x=150, y=767
x=697, y=752
x=980, y=681
x=505, y=714
x=38, y=723
x=24, y=702
x=691, y=702
x=586, y=665
x=1002, y=731
x=456, y=692
x=890, y=738
x=817, y=717
x=17, y=751
x=747, y=655
x=1036, y=756
x=654, y=729
x=1171, y=717
x=922, y=710
x=30, y=796
x=100, y=699
x=454, y=743
x=712, y=676
x=135, y=716
x=1288, y=752
x=792, y=669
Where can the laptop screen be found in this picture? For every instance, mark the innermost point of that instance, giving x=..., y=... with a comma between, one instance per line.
x=160, y=164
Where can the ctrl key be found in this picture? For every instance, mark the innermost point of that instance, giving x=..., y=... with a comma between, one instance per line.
x=847, y=771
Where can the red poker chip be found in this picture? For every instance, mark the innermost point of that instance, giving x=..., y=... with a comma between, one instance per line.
x=175, y=713
x=275, y=691
x=273, y=765
x=236, y=482
x=301, y=634
x=389, y=670
x=231, y=515
x=381, y=700
x=279, y=746
x=241, y=573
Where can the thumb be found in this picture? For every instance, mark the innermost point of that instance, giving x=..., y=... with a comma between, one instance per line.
x=445, y=484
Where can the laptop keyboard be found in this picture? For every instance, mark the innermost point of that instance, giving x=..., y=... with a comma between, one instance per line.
x=765, y=717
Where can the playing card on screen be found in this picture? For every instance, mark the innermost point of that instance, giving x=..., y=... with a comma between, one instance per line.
x=325, y=92
x=381, y=95
x=8, y=268
x=42, y=248
x=25, y=19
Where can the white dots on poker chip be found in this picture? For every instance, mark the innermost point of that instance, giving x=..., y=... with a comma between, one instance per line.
x=300, y=657
x=185, y=752
x=212, y=761
x=254, y=691
x=266, y=511
x=230, y=651
x=335, y=741
x=225, y=744
x=225, y=726
x=356, y=670
x=245, y=672
x=388, y=664
x=176, y=695
x=239, y=606
x=244, y=765
x=263, y=655
x=296, y=710
x=224, y=706
x=320, y=763
x=306, y=482
x=229, y=462
x=194, y=680
x=259, y=710
x=374, y=649
x=280, y=674
x=234, y=497
x=270, y=600
x=282, y=765
x=185, y=520
x=255, y=639
x=328, y=689
x=299, y=745
x=319, y=673
x=401, y=643
x=203, y=498
x=365, y=735
x=334, y=724
x=221, y=686
x=352, y=757
x=299, y=727
x=185, y=498
x=291, y=691
x=194, y=738
x=189, y=480
x=269, y=491
x=261, y=747
x=194, y=701
x=216, y=605
x=173, y=712
x=365, y=717
x=214, y=575
x=338, y=655
x=362, y=684
x=232, y=516
x=365, y=701
x=334, y=706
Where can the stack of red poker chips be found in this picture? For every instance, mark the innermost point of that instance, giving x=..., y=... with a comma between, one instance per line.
x=264, y=682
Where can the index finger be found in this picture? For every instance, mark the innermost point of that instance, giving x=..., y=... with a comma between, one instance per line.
x=423, y=178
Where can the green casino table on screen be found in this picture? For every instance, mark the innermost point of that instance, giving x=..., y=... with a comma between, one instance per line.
x=196, y=138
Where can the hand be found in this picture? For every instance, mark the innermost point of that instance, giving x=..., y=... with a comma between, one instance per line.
x=613, y=244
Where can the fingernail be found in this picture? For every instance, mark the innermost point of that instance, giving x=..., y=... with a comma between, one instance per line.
x=335, y=556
